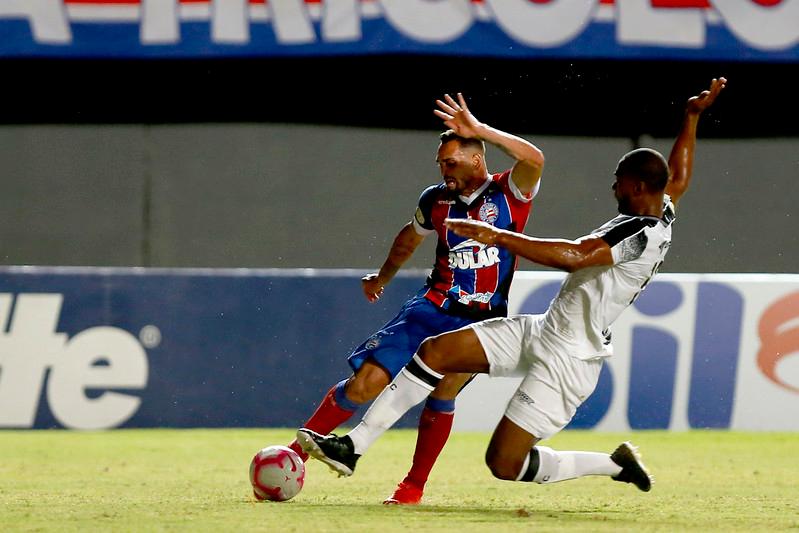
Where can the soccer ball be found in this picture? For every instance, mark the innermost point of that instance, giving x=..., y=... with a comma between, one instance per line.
x=277, y=473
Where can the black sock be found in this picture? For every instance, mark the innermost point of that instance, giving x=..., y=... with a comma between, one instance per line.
x=532, y=467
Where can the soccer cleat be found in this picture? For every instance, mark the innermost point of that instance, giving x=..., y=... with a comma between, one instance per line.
x=297, y=448
x=406, y=493
x=632, y=468
x=336, y=452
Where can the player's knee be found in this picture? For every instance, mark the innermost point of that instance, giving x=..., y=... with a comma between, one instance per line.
x=364, y=388
x=502, y=466
x=432, y=353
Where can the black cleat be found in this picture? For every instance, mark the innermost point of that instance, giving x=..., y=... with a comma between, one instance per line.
x=632, y=468
x=336, y=452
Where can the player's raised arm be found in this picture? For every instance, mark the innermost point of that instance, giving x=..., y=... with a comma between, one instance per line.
x=556, y=253
x=681, y=159
x=405, y=243
x=529, y=159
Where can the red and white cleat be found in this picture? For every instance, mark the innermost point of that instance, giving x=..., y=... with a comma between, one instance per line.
x=297, y=448
x=405, y=494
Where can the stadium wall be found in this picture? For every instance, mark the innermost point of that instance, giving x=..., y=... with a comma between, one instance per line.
x=97, y=348
x=297, y=196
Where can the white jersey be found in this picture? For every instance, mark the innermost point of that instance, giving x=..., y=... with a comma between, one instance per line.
x=579, y=317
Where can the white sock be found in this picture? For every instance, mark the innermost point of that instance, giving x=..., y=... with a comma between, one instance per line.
x=404, y=392
x=556, y=466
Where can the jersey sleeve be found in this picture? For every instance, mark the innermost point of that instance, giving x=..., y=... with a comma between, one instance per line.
x=506, y=178
x=422, y=219
x=668, y=210
x=627, y=240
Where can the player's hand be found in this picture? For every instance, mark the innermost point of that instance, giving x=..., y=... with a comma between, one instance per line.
x=372, y=287
x=697, y=104
x=457, y=117
x=473, y=229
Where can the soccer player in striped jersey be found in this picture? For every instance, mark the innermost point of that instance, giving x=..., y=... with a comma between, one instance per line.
x=469, y=280
x=561, y=352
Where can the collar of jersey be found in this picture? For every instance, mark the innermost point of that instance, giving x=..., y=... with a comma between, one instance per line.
x=472, y=197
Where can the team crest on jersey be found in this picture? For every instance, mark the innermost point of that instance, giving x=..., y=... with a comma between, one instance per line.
x=489, y=212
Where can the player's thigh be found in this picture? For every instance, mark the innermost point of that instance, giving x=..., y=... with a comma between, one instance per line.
x=458, y=351
x=504, y=342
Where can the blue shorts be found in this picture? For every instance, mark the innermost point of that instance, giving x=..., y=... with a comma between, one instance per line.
x=393, y=346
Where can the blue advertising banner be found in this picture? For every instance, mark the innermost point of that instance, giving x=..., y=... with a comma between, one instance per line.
x=99, y=348
x=102, y=348
x=737, y=30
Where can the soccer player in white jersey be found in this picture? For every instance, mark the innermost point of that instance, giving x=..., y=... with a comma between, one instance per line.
x=560, y=353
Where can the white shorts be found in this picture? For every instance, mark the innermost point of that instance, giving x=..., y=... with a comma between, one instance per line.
x=554, y=384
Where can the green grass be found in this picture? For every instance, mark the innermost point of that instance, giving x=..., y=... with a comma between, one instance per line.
x=178, y=480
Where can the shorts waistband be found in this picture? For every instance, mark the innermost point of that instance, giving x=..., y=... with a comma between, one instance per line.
x=472, y=312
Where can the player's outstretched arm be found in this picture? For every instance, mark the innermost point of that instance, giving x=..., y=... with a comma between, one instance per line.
x=529, y=159
x=556, y=253
x=405, y=243
x=681, y=159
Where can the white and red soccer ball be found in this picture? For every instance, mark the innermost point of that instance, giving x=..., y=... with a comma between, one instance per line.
x=277, y=473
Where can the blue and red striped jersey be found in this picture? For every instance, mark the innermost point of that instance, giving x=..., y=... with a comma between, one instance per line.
x=468, y=273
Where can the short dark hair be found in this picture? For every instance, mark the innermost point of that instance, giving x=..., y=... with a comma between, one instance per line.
x=450, y=135
x=646, y=165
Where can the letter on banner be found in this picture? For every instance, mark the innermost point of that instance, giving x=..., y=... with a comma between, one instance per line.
x=653, y=360
x=640, y=23
x=550, y=24
x=291, y=22
x=653, y=370
x=765, y=28
x=77, y=370
x=436, y=21
x=230, y=21
x=779, y=337
x=159, y=22
x=47, y=18
x=26, y=351
x=717, y=343
x=341, y=20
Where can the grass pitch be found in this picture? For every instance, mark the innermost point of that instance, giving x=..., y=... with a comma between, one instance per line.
x=177, y=480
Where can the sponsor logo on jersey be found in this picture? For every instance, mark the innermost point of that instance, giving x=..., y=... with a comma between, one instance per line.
x=479, y=297
x=489, y=212
x=470, y=255
x=466, y=298
x=446, y=202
